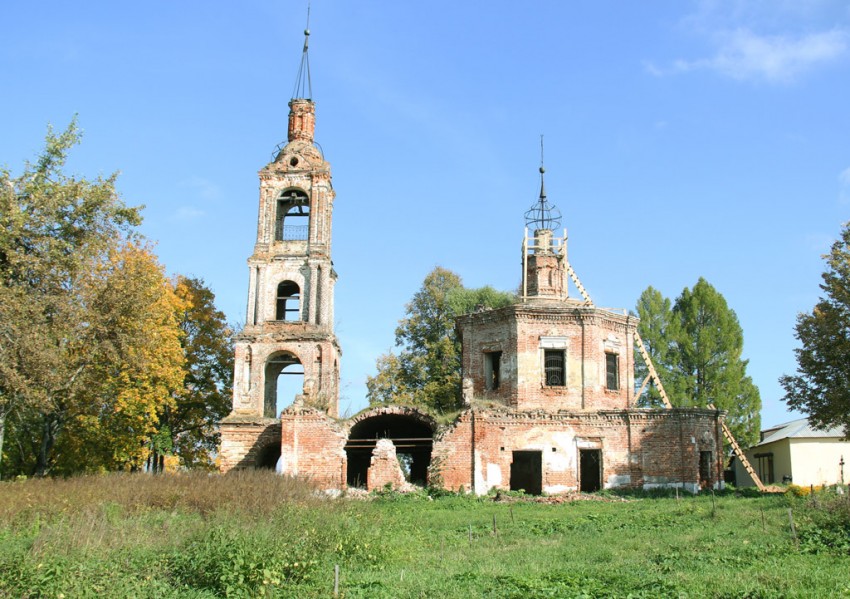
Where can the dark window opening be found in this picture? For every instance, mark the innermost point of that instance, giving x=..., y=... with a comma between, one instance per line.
x=269, y=456
x=527, y=472
x=705, y=469
x=590, y=470
x=764, y=464
x=413, y=439
x=492, y=370
x=612, y=372
x=284, y=379
x=553, y=360
x=288, y=303
x=292, y=220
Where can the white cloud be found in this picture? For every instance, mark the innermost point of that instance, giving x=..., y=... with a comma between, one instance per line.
x=774, y=41
x=744, y=55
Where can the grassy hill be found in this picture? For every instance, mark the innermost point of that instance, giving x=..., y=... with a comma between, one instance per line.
x=254, y=534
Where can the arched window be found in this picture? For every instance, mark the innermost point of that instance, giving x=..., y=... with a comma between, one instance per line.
x=288, y=304
x=292, y=219
x=284, y=380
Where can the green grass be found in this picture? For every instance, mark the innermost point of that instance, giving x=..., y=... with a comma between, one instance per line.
x=259, y=535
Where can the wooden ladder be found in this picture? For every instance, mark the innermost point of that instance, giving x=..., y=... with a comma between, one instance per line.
x=726, y=432
x=655, y=378
x=740, y=454
x=578, y=284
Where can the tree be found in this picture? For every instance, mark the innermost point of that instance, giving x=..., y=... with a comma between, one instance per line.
x=659, y=332
x=103, y=360
x=135, y=368
x=426, y=372
x=54, y=229
x=821, y=387
x=189, y=426
x=710, y=345
x=697, y=348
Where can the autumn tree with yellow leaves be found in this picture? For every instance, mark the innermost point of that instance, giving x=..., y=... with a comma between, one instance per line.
x=93, y=334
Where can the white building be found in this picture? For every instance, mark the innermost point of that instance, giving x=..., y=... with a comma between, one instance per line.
x=796, y=452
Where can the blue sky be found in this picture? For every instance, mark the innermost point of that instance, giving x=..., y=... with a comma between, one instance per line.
x=683, y=139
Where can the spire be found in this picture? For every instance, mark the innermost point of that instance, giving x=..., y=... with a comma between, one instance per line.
x=302, y=110
x=303, y=88
x=542, y=214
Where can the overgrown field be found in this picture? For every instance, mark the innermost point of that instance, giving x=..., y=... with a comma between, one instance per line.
x=259, y=535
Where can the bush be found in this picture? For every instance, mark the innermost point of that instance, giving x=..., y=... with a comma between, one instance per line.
x=825, y=524
x=236, y=563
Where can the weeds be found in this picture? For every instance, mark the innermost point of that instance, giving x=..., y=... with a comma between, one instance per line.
x=824, y=522
x=252, y=491
x=260, y=535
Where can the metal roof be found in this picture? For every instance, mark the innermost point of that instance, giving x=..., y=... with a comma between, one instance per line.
x=798, y=429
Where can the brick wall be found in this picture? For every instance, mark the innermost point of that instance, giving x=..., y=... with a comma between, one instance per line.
x=384, y=468
x=523, y=332
x=313, y=446
x=640, y=448
x=243, y=439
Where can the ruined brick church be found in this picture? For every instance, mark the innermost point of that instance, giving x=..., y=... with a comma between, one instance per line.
x=548, y=382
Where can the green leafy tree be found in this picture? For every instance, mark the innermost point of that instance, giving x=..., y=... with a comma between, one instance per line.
x=54, y=230
x=659, y=331
x=821, y=386
x=191, y=422
x=710, y=345
x=696, y=347
x=426, y=372
x=103, y=360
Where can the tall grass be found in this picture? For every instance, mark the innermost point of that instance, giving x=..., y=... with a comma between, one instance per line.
x=251, y=491
x=254, y=534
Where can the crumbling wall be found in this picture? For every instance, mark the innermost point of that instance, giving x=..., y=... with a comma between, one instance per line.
x=384, y=469
x=312, y=446
x=243, y=439
x=639, y=448
x=524, y=332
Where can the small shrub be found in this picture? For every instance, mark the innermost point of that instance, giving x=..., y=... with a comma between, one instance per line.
x=241, y=564
x=825, y=525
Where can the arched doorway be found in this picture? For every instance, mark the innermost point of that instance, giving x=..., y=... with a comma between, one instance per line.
x=268, y=456
x=411, y=432
x=284, y=380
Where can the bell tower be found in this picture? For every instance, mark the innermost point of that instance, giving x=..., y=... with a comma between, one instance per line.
x=287, y=353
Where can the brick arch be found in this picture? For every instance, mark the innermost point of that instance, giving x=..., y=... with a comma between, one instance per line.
x=268, y=455
x=293, y=204
x=275, y=364
x=410, y=430
x=406, y=411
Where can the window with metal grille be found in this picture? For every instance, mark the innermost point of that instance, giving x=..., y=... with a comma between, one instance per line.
x=292, y=222
x=612, y=371
x=554, y=367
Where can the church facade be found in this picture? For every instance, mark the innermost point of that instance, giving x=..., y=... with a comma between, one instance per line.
x=549, y=400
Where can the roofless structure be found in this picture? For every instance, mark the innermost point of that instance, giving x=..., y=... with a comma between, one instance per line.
x=548, y=382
